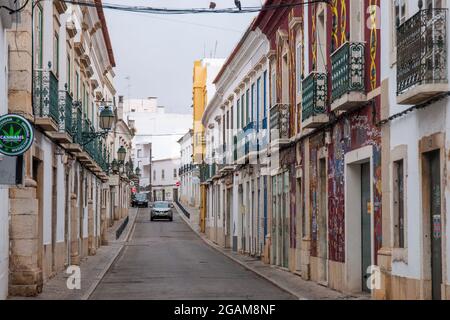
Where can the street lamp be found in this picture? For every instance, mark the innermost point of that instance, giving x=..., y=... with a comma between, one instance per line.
x=121, y=154
x=106, y=118
x=115, y=166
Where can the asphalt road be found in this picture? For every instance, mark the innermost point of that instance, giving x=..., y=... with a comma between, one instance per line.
x=167, y=260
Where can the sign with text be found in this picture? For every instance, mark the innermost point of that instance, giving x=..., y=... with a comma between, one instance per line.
x=16, y=135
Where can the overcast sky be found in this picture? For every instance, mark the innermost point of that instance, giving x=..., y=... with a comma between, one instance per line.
x=156, y=52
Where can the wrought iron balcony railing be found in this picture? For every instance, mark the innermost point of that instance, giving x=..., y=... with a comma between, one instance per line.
x=279, y=122
x=422, y=50
x=204, y=173
x=77, y=125
x=45, y=103
x=314, y=95
x=347, y=70
x=263, y=135
x=65, y=112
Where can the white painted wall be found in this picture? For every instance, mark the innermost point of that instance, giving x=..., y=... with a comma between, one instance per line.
x=408, y=130
x=46, y=147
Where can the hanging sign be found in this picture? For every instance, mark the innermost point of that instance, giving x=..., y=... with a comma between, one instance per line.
x=16, y=135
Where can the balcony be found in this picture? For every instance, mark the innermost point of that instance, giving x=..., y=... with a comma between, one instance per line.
x=422, y=57
x=227, y=159
x=314, y=109
x=45, y=100
x=64, y=134
x=240, y=147
x=347, y=76
x=279, y=124
x=204, y=173
x=251, y=145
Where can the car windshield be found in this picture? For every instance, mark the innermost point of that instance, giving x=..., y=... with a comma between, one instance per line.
x=161, y=205
x=141, y=196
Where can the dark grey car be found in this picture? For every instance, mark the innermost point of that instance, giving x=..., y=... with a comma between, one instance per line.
x=161, y=210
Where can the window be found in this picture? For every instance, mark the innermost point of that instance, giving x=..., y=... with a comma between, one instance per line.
x=399, y=204
x=56, y=54
x=242, y=110
x=174, y=173
x=399, y=18
x=39, y=36
x=298, y=67
x=69, y=74
x=77, y=83
x=265, y=94
x=162, y=174
x=247, y=105
x=253, y=105
x=238, y=110
x=139, y=153
x=154, y=173
x=273, y=89
x=83, y=96
x=258, y=98
x=231, y=119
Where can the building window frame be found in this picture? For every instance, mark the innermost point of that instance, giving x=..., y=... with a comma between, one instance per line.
x=399, y=162
x=39, y=37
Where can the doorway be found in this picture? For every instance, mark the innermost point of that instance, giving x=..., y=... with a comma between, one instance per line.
x=241, y=216
x=359, y=245
x=38, y=175
x=322, y=224
x=54, y=216
x=228, y=218
x=433, y=218
x=365, y=225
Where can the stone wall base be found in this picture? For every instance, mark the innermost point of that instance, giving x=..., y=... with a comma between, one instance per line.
x=26, y=283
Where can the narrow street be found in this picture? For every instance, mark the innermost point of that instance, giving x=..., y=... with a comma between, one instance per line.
x=166, y=260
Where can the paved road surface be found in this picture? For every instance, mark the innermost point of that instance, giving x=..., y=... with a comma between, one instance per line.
x=166, y=260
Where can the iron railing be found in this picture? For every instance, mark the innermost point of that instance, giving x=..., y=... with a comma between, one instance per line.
x=77, y=124
x=45, y=100
x=204, y=173
x=279, y=121
x=347, y=69
x=65, y=112
x=422, y=50
x=314, y=95
x=263, y=135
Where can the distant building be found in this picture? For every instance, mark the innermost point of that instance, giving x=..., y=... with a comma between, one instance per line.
x=156, y=134
x=203, y=90
x=189, y=175
x=164, y=179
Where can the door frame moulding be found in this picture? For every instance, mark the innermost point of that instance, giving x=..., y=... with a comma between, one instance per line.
x=353, y=258
x=434, y=142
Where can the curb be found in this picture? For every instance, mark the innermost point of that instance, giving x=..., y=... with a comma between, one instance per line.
x=229, y=256
x=95, y=284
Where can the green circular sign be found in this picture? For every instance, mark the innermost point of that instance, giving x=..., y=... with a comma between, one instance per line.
x=16, y=135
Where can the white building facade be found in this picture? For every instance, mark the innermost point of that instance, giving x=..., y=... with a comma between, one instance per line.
x=415, y=78
x=237, y=181
x=60, y=77
x=190, y=183
x=156, y=137
x=165, y=179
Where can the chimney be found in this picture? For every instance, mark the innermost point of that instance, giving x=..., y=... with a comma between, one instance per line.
x=120, y=109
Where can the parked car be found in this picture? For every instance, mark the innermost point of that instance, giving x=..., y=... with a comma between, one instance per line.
x=161, y=210
x=140, y=200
